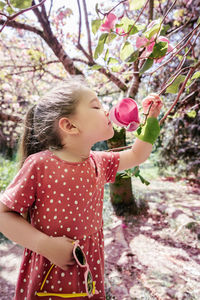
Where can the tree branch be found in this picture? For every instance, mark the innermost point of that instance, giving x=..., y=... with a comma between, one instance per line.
x=18, y=25
x=88, y=28
x=190, y=73
x=12, y=17
x=151, y=7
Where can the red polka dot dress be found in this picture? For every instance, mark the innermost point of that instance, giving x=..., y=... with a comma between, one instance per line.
x=64, y=199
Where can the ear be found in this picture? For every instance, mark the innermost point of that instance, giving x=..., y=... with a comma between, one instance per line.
x=66, y=126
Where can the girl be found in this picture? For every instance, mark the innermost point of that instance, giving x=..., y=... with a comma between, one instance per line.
x=61, y=184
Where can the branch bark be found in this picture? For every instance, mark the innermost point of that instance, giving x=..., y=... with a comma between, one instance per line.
x=190, y=73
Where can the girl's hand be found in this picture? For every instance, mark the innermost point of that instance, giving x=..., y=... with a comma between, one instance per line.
x=156, y=106
x=58, y=250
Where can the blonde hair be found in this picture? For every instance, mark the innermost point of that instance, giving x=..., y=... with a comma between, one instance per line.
x=41, y=121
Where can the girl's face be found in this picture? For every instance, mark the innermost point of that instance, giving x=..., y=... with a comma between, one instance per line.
x=91, y=119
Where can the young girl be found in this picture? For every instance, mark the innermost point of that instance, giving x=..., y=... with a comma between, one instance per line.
x=61, y=184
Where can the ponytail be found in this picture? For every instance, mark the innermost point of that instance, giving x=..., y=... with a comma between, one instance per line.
x=28, y=141
x=41, y=121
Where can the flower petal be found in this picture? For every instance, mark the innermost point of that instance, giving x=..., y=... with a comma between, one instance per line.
x=109, y=23
x=141, y=42
x=125, y=114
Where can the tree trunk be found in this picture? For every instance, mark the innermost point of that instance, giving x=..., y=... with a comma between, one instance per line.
x=121, y=195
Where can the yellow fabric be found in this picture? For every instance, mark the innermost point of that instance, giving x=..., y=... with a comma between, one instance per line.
x=42, y=294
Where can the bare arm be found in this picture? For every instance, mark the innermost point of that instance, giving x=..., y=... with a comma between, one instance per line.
x=135, y=156
x=57, y=249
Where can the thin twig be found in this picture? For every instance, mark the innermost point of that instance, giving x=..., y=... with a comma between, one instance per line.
x=190, y=72
x=190, y=33
x=12, y=17
x=88, y=28
x=127, y=33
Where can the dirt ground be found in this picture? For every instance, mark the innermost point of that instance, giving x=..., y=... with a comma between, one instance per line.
x=154, y=256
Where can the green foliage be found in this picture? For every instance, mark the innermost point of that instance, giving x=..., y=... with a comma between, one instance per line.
x=15, y=4
x=181, y=144
x=100, y=46
x=7, y=170
x=196, y=75
x=128, y=25
x=95, y=25
x=159, y=50
x=126, y=50
x=96, y=67
x=174, y=87
x=133, y=57
x=22, y=4
x=134, y=172
x=153, y=30
x=147, y=65
x=136, y=4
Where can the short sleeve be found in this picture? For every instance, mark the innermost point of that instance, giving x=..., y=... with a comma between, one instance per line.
x=110, y=164
x=20, y=194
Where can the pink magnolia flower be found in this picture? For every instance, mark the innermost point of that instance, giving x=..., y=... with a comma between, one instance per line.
x=109, y=23
x=121, y=31
x=125, y=114
x=149, y=44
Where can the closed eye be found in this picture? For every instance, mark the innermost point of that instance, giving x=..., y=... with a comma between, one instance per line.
x=96, y=107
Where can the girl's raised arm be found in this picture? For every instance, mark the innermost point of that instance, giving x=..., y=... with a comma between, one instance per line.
x=142, y=147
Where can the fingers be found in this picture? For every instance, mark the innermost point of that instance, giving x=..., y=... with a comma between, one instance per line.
x=153, y=99
x=69, y=240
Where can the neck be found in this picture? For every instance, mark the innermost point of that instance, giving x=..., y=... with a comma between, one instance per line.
x=73, y=153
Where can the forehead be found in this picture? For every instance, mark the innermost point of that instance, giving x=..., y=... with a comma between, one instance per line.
x=86, y=95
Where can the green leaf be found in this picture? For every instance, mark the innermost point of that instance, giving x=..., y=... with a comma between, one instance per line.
x=153, y=30
x=132, y=29
x=144, y=180
x=126, y=50
x=164, y=29
x=159, y=50
x=174, y=87
x=111, y=36
x=139, y=130
x=106, y=55
x=97, y=9
x=136, y=4
x=112, y=60
x=103, y=37
x=147, y=65
x=96, y=67
x=128, y=25
x=136, y=171
x=192, y=114
x=2, y=4
x=133, y=57
x=98, y=50
x=116, y=68
x=95, y=25
x=100, y=46
x=196, y=75
x=21, y=4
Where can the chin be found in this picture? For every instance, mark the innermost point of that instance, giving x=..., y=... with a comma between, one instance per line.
x=110, y=134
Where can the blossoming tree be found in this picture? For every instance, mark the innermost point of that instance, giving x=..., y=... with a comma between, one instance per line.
x=129, y=43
